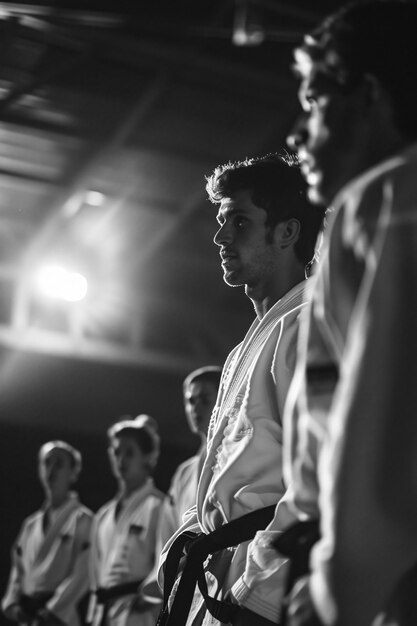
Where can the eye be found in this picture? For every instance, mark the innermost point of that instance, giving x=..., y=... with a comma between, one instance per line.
x=308, y=102
x=240, y=221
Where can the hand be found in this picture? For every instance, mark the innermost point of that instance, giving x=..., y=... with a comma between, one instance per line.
x=140, y=605
x=245, y=617
x=300, y=608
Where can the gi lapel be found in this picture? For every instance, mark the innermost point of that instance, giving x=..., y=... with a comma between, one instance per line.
x=126, y=516
x=63, y=520
x=256, y=336
x=238, y=368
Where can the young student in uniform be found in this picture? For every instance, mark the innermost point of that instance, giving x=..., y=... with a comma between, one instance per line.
x=50, y=555
x=124, y=529
x=200, y=390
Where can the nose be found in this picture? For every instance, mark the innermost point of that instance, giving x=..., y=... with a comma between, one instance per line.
x=223, y=235
x=298, y=133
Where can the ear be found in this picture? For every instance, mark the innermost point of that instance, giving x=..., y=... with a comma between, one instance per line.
x=152, y=460
x=74, y=476
x=379, y=105
x=375, y=93
x=287, y=233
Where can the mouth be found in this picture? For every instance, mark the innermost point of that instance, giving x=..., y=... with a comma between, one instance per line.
x=309, y=172
x=227, y=257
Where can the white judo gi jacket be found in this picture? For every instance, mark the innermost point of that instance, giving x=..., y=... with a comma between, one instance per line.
x=182, y=496
x=353, y=454
x=123, y=551
x=243, y=467
x=55, y=561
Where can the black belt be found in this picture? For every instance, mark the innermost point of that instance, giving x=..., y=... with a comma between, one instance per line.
x=296, y=543
x=105, y=594
x=322, y=373
x=196, y=548
x=32, y=604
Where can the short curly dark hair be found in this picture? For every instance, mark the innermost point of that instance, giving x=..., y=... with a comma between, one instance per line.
x=376, y=37
x=275, y=184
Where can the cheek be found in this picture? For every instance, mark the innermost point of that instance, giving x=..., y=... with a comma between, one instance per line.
x=319, y=128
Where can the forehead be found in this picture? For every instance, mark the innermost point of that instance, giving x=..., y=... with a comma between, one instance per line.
x=199, y=387
x=124, y=441
x=241, y=202
x=57, y=454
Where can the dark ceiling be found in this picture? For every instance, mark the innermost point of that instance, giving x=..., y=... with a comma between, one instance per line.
x=137, y=102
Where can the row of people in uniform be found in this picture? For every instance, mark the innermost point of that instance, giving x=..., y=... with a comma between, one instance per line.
x=64, y=552
x=311, y=443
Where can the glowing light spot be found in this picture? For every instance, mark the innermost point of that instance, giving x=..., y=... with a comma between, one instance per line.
x=58, y=283
x=94, y=198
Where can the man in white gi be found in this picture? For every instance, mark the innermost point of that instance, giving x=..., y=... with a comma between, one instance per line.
x=353, y=457
x=266, y=236
x=50, y=556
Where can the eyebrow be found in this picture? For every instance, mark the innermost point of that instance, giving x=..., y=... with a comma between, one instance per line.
x=228, y=211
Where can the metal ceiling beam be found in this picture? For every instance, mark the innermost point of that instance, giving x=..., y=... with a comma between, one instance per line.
x=51, y=11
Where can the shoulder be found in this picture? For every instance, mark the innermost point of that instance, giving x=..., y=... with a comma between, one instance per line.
x=391, y=181
x=183, y=472
x=103, y=510
x=185, y=466
x=84, y=511
x=84, y=518
x=32, y=519
x=156, y=495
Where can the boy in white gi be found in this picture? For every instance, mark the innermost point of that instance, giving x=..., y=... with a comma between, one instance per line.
x=355, y=392
x=124, y=529
x=50, y=556
x=266, y=238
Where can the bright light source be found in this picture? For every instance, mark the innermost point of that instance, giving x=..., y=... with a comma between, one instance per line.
x=94, y=198
x=58, y=283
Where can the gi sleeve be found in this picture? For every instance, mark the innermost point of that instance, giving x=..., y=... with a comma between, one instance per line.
x=76, y=584
x=14, y=585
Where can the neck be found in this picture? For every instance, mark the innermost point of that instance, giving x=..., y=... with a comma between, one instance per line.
x=57, y=499
x=126, y=489
x=264, y=298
